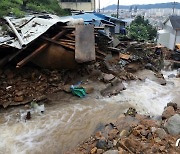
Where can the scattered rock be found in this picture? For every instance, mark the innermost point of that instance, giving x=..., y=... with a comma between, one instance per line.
x=161, y=133
x=112, y=152
x=18, y=98
x=93, y=150
x=150, y=67
x=174, y=105
x=110, y=144
x=134, y=67
x=171, y=76
x=125, y=123
x=113, y=89
x=28, y=116
x=98, y=135
x=89, y=89
x=19, y=93
x=150, y=123
x=161, y=81
x=102, y=144
x=112, y=134
x=115, y=143
x=108, y=78
x=168, y=112
x=124, y=133
x=131, y=112
x=133, y=145
x=173, y=125
x=66, y=88
x=100, y=151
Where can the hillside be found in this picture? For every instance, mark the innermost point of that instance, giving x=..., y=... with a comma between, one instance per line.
x=147, y=6
x=19, y=8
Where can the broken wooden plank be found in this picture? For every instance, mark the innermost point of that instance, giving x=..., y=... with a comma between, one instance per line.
x=114, y=49
x=70, y=37
x=67, y=43
x=124, y=56
x=100, y=52
x=59, y=43
x=173, y=61
x=65, y=40
x=38, y=50
x=73, y=27
x=84, y=43
x=100, y=58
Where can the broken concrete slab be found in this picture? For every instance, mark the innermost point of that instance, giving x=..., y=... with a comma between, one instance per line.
x=84, y=43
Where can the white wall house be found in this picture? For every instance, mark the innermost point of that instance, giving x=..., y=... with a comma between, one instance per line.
x=169, y=36
x=78, y=5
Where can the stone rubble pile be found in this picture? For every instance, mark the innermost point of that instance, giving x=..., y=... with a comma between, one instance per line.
x=135, y=133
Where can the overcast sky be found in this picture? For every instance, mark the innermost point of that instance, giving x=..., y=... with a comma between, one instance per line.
x=130, y=2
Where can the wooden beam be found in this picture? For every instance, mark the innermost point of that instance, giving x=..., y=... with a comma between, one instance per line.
x=73, y=27
x=64, y=40
x=60, y=43
x=73, y=44
x=70, y=37
x=38, y=50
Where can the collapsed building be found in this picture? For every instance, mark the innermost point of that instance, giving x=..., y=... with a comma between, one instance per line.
x=62, y=43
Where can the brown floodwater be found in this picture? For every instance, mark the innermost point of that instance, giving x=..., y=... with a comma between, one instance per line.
x=68, y=120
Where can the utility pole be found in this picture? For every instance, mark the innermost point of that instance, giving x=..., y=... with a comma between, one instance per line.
x=174, y=5
x=99, y=6
x=118, y=9
x=94, y=5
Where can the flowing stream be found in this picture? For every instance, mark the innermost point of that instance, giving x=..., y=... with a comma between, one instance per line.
x=67, y=120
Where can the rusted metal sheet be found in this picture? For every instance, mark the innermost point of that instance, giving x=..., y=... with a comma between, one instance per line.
x=84, y=43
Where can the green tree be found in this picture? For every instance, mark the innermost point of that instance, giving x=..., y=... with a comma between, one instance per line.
x=19, y=7
x=141, y=29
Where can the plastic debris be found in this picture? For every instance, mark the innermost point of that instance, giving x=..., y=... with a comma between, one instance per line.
x=78, y=91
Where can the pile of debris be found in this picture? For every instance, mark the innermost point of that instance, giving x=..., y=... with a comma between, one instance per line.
x=23, y=85
x=55, y=43
x=47, y=41
x=136, y=133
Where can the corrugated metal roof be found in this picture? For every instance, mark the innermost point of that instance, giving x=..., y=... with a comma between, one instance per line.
x=30, y=28
x=175, y=21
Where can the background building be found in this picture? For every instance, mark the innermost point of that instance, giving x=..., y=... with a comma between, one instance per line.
x=80, y=5
x=169, y=36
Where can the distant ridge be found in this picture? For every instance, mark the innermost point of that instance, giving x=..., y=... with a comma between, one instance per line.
x=144, y=6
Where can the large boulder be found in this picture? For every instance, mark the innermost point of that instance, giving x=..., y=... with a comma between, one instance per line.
x=173, y=125
x=168, y=112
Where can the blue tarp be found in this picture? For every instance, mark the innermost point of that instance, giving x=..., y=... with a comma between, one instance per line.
x=91, y=17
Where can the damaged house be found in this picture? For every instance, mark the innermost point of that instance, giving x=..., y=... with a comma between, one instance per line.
x=169, y=36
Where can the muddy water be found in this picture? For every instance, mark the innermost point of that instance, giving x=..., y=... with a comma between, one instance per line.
x=70, y=120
